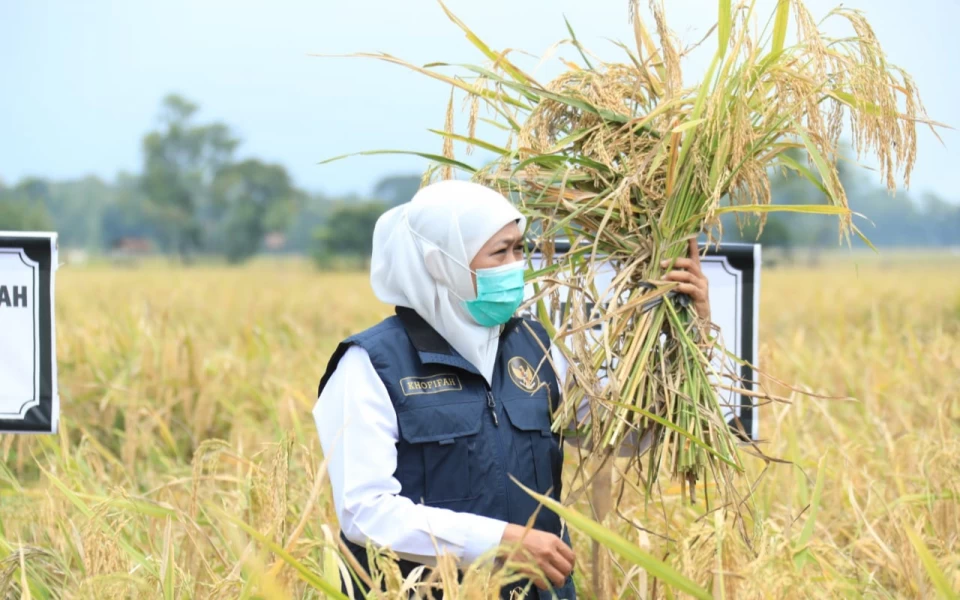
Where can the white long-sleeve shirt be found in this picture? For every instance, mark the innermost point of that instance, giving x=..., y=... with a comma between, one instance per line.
x=358, y=431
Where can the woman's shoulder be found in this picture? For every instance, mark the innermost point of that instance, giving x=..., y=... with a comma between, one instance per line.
x=354, y=353
x=389, y=326
x=527, y=323
x=382, y=342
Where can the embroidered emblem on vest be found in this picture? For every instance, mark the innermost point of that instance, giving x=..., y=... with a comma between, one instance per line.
x=435, y=384
x=523, y=374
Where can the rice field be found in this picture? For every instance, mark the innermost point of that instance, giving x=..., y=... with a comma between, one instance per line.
x=186, y=398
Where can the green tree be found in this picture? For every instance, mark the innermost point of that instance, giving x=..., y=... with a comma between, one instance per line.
x=77, y=208
x=942, y=219
x=33, y=189
x=348, y=233
x=312, y=214
x=776, y=232
x=254, y=199
x=396, y=189
x=180, y=162
x=23, y=207
x=19, y=214
x=130, y=214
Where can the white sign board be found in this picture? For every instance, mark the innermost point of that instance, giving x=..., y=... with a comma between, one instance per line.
x=28, y=368
x=733, y=271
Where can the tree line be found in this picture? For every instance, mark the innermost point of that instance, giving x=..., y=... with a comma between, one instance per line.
x=195, y=198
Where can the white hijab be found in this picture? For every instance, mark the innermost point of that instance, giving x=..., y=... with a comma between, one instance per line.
x=421, y=256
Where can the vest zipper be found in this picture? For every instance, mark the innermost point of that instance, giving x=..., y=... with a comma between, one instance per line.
x=492, y=404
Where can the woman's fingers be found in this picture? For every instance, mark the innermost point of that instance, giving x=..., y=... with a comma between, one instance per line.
x=538, y=580
x=556, y=577
x=681, y=276
x=562, y=564
x=687, y=277
x=542, y=555
x=684, y=263
x=691, y=290
x=694, y=251
x=567, y=552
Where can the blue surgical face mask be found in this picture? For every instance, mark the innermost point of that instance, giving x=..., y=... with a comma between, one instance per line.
x=499, y=294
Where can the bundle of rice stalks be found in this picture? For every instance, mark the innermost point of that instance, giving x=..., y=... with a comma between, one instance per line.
x=628, y=164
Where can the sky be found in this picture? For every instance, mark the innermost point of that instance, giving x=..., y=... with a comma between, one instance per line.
x=83, y=81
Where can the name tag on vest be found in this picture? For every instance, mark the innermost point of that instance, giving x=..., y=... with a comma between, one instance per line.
x=434, y=384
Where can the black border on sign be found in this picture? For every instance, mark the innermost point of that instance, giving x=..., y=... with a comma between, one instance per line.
x=740, y=257
x=39, y=419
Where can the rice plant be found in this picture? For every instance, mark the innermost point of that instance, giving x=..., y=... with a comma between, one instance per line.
x=628, y=165
x=188, y=465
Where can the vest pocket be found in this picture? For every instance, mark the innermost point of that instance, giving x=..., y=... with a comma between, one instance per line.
x=447, y=435
x=531, y=416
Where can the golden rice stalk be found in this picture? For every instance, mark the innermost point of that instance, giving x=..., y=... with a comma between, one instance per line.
x=447, y=172
x=628, y=165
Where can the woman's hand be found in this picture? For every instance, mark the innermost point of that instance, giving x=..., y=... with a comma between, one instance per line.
x=551, y=554
x=691, y=279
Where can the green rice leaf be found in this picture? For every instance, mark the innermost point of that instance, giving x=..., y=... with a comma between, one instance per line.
x=607, y=115
x=548, y=161
x=543, y=314
x=331, y=568
x=610, y=539
x=801, y=556
x=496, y=124
x=679, y=430
x=105, y=527
x=821, y=164
x=854, y=102
x=140, y=505
x=925, y=498
x=724, y=24
x=169, y=563
x=498, y=58
x=576, y=43
x=456, y=82
x=788, y=162
x=863, y=238
x=529, y=92
x=434, y=157
x=688, y=125
x=570, y=139
x=780, y=26
x=472, y=141
x=936, y=574
x=556, y=266
x=810, y=209
x=305, y=573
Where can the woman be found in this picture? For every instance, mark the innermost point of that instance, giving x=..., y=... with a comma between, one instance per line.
x=428, y=417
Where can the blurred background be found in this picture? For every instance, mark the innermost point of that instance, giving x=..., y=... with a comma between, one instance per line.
x=194, y=128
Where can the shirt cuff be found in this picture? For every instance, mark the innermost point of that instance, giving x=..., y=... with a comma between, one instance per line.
x=484, y=535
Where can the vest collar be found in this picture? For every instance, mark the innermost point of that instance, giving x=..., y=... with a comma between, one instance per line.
x=430, y=345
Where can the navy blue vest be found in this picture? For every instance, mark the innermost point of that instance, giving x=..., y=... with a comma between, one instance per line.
x=462, y=440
